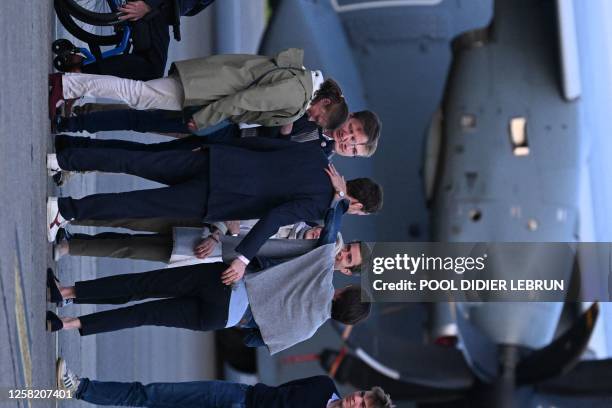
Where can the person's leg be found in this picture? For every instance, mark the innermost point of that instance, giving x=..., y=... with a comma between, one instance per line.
x=159, y=225
x=97, y=107
x=155, y=121
x=193, y=280
x=188, y=200
x=134, y=66
x=147, y=61
x=184, y=313
x=197, y=394
x=166, y=166
x=148, y=247
x=164, y=93
x=187, y=143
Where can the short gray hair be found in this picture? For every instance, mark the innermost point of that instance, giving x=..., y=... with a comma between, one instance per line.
x=380, y=399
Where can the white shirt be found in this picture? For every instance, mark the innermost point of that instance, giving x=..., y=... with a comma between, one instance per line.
x=317, y=81
x=333, y=398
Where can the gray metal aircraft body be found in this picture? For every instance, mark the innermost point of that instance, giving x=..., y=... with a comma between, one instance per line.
x=481, y=103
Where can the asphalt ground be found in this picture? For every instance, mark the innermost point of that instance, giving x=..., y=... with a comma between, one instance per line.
x=27, y=352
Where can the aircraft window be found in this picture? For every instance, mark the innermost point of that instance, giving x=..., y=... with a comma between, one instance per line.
x=518, y=136
x=468, y=122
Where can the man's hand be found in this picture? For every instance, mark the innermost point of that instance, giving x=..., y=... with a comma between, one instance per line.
x=234, y=273
x=134, y=10
x=191, y=125
x=336, y=179
x=205, y=247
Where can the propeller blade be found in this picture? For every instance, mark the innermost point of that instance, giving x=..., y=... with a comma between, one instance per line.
x=560, y=355
x=480, y=352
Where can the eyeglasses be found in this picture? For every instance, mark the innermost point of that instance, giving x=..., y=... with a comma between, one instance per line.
x=355, y=152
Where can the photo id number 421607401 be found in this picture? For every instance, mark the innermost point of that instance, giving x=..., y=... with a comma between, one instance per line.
x=30, y=393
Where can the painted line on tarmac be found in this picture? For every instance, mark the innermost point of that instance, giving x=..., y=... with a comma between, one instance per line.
x=23, y=332
x=9, y=335
x=24, y=338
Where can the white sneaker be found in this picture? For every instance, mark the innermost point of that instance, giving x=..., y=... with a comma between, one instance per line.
x=55, y=221
x=66, y=379
x=53, y=166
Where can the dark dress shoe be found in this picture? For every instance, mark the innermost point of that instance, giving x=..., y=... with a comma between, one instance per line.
x=54, y=323
x=62, y=235
x=58, y=124
x=53, y=293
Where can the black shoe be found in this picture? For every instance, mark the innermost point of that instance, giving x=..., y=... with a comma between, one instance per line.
x=63, y=235
x=61, y=177
x=54, y=323
x=58, y=124
x=53, y=293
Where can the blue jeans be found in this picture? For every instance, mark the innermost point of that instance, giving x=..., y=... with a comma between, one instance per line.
x=200, y=394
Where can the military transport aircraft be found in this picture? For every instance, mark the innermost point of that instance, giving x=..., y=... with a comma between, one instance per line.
x=492, y=122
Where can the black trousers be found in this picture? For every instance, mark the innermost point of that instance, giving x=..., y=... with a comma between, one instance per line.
x=185, y=143
x=196, y=299
x=148, y=247
x=158, y=225
x=185, y=172
x=142, y=65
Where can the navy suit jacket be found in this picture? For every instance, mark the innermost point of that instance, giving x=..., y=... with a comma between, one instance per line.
x=311, y=392
x=301, y=125
x=276, y=181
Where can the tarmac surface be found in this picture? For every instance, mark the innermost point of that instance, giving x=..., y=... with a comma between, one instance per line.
x=27, y=352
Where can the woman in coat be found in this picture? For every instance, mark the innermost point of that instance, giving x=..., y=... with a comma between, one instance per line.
x=250, y=89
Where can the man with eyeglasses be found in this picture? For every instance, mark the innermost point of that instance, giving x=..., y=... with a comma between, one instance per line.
x=357, y=137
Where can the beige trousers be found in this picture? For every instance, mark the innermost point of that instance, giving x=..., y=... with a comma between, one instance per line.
x=163, y=93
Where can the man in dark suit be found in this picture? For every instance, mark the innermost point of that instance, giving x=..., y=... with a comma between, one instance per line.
x=312, y=392
x=275, y=181
x=357, y=137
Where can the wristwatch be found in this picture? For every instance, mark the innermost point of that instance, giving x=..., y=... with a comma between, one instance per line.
x=341, y=193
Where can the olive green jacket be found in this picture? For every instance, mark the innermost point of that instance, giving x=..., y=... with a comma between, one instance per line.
x=246, y=88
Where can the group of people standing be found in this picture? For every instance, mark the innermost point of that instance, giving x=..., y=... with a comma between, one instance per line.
x=248, y=220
